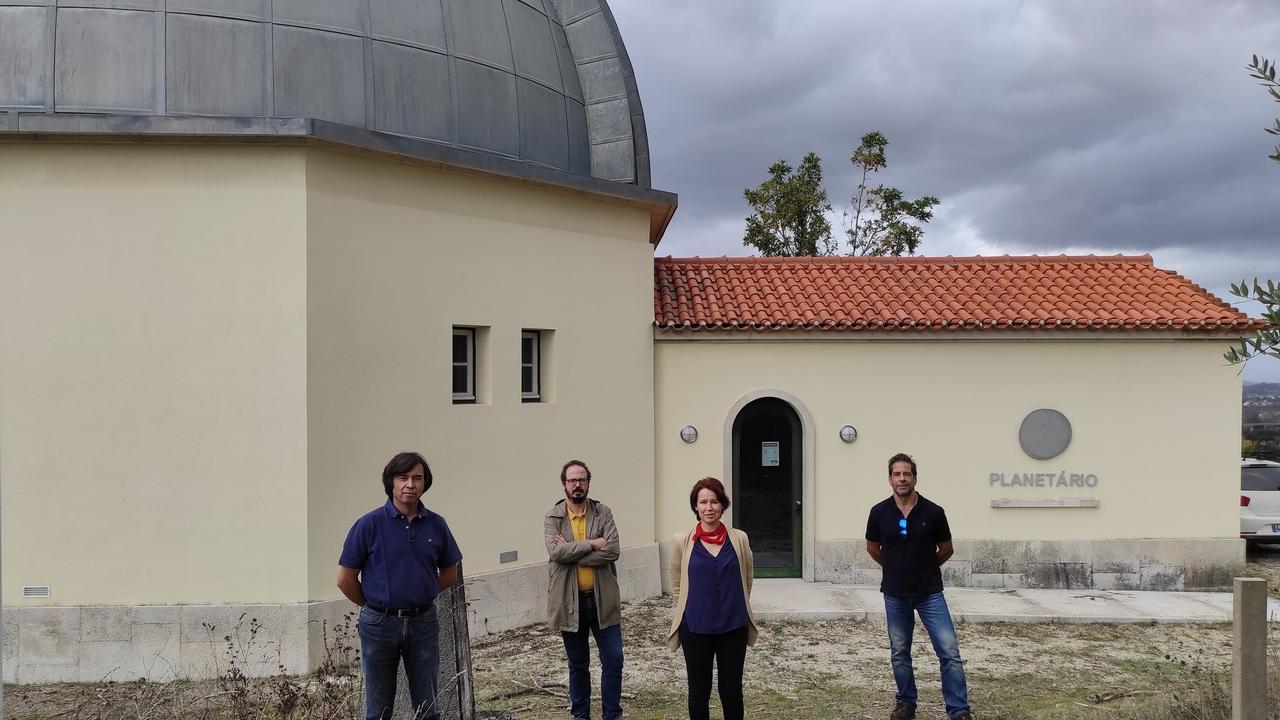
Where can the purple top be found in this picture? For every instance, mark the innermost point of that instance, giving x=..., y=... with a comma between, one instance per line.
x=715, y=603
x=399, y=561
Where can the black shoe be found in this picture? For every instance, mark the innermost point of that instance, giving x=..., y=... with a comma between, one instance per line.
x=903, y=711
x=963, y=716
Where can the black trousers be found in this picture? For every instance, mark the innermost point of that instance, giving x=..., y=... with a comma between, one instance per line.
x=729, y=651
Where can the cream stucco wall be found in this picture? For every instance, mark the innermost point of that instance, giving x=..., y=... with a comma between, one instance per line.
x=207, y=353
x=397, y=256
x=1157, y=422
x=152, y=373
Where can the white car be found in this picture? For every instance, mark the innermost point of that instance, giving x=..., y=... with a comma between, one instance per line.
x=1260, y=501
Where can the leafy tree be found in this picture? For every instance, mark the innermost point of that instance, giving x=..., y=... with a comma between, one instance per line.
x=1264, y=71
x=789, y=217
x=882, y=221
x=1266, y=342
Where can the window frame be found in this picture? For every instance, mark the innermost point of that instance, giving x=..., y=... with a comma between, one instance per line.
x=467, y=397
x=536, y=366
x=1251, y=476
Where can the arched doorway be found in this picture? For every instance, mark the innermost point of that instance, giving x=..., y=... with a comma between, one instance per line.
x=767, y=484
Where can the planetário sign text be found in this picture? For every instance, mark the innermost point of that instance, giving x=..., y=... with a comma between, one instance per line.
x=1052, y=480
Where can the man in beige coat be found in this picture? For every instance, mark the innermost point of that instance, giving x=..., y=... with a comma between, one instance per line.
x=583, y=598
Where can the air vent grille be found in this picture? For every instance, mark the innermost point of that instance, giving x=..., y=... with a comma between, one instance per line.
x=35, y=591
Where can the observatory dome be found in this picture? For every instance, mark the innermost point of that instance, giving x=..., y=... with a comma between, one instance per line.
x=542, y=82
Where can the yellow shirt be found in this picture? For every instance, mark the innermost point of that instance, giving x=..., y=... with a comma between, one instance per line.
x=586, y=575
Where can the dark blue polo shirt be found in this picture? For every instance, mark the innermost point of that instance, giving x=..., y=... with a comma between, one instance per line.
x=400, y=560
x=909, y=562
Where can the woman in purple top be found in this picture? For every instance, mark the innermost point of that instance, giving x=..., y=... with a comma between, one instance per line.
x=711, y=574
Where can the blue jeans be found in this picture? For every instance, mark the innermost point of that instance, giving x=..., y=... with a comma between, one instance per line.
x=900, y=617
x=385, y=641
x=609, y=645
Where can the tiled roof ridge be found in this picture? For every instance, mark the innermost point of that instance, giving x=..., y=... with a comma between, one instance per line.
x=1200, y=289
x=930, y=293
x=1144, y=259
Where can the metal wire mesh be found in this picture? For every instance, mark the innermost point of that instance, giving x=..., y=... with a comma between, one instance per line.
x=456, y=696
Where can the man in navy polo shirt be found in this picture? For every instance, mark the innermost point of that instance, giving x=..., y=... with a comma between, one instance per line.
x=909, y=537
x=395, y=561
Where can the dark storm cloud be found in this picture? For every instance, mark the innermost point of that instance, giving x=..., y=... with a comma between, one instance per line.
x=1042, y=125
x=1045, y=127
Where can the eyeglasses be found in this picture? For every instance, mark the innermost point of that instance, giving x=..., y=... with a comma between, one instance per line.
x=577, y=482
x=902, y=527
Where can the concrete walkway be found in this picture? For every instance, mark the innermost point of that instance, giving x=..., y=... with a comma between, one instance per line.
x=796, y=599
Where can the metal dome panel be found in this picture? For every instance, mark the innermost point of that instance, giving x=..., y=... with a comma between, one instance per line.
x=236, y=86
x=514, y=78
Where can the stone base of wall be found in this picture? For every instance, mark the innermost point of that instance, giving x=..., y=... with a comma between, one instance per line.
x=507, y=599
x=1154, y=564
x=161, y=642
x=1164, y=564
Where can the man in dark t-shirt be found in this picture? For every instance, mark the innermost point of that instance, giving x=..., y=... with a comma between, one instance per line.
x=909, y=537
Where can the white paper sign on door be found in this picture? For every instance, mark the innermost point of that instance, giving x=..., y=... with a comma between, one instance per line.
x=769, y=454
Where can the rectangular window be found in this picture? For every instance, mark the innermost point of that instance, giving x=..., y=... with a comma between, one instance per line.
x=530, y=361
x=464, y=365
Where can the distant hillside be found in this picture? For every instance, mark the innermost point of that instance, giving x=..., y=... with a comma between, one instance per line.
x=1261, y=390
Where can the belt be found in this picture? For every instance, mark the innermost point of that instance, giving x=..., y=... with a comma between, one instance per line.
x=401, y=612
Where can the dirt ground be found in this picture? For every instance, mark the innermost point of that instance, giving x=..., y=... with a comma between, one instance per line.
x=840, y=669
x=799, y=670
x=1264, y=562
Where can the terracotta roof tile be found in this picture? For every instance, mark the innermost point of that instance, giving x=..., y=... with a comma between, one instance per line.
x=935, y=293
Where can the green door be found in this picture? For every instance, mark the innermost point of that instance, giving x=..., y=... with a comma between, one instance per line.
x=766, y=500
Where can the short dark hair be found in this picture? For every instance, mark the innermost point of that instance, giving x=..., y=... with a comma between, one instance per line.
x=903, y=457
x=401, y=464
x=570, y=464
x=712, y=484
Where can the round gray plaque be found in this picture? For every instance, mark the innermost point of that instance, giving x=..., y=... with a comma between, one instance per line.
x=1044, y=433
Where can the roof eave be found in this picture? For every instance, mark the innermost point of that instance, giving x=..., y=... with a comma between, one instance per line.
x=44, y=127
x=724, y=333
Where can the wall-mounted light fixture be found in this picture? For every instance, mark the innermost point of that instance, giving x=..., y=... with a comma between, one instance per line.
x=689, y=434
x=848, y=433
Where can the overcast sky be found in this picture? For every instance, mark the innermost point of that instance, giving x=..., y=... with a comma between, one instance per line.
x=1044, y=127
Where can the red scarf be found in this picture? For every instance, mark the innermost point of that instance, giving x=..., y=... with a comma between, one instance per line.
x=715, y=537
